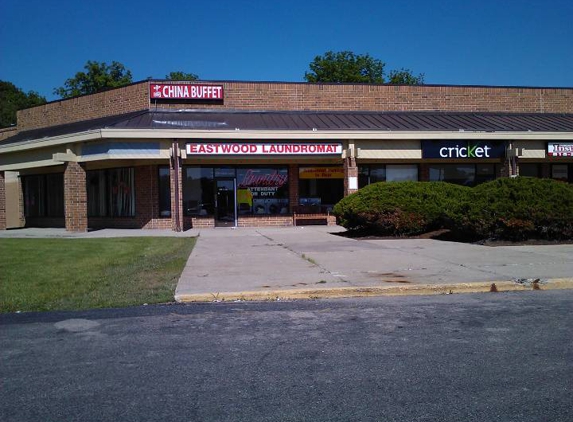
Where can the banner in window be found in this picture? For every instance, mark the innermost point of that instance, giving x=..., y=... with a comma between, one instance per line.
x=321, y=173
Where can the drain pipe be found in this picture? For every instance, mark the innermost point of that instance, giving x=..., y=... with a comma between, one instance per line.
x=175, y=154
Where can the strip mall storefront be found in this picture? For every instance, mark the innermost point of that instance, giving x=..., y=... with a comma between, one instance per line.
x=199, y=155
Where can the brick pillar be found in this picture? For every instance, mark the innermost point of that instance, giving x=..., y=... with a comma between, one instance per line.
x=292, y=187
x=2, y=201
x=350, y=170
x=423, y=172
x=21, y=214
x=75, y=197
x=175, y=176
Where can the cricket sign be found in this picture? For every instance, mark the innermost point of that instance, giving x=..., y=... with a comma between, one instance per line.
x=463, y=149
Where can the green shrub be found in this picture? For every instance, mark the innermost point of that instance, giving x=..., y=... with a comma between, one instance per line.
x=518, y=209
x=510, y=209
x=401, y=208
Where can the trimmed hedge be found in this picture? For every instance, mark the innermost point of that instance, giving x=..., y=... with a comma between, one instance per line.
x=519, y=209
x=401, y=208
x=511, y=209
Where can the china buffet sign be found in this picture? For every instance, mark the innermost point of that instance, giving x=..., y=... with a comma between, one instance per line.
x=264, y=149
x=185, y=92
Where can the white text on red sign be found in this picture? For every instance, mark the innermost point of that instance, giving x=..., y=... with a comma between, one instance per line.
x=263, y=149
x=186, y=91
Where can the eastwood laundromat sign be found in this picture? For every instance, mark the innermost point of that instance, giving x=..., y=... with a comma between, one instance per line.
x=264, y=149
x=463, y=149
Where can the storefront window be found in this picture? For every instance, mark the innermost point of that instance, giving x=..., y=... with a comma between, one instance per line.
x=484, y=173
x=164, y=192
x=44, y=195
x=262, y=190
x=460, y=174
x=55, y=195
x=386, y=173
x=198, y=191
x=560, y=172
x=111, y=193
x=529, y=170
x=401, y=172
x=320, y=188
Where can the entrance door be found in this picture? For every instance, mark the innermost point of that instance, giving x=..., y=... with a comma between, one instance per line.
x=225, y=203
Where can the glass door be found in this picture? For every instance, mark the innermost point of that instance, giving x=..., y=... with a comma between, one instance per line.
x=225, y=203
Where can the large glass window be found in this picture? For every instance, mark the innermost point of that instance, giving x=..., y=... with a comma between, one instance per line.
x=111, y=193
x=374, y=173
x=44, y=195
x=320, y=188
x=198, y=191
x=462, y=174
x=262, y=190
x=164, y=192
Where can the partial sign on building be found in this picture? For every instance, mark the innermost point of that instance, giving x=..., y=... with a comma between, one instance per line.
x=185, y=92
x=559, y=149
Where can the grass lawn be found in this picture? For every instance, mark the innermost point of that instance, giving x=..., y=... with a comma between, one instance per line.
x=55, y=274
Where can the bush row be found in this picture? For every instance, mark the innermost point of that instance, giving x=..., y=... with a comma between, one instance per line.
x=511, y=209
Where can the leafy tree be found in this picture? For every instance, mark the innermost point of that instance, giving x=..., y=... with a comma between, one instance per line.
x=97, y=77
x=405, y=77
x=181, y=76
x=345, y=66
x=13, y=99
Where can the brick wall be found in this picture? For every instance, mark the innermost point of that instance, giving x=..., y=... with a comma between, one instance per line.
x=75, y=197
x=108, y=103
x=7, y=132
x=303, y=96
x=2, y=201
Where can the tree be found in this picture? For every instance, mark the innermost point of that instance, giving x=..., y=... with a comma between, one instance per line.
x=97, y=77
x=405, y=77
x=345, y=66
x=13, y=99
x=181, y=76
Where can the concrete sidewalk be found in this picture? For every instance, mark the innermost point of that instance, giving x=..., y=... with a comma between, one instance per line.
x=312, y=261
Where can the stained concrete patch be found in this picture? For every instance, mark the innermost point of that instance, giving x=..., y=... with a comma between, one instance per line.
x=76, y=325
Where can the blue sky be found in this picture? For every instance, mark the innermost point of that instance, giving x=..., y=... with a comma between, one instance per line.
x=487, y=42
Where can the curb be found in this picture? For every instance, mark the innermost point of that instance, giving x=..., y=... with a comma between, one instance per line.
x=347, y=292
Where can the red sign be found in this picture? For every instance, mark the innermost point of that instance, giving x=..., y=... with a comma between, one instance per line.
x=185, y=92
x=264, y=149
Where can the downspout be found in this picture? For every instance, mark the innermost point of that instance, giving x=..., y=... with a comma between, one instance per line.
x=176, y=166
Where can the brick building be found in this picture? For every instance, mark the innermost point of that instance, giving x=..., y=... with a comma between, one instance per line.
x=163, y=154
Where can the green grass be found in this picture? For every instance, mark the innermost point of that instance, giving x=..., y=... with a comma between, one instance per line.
x=65, y=274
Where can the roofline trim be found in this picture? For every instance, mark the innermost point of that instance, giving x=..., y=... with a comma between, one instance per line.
x=51, y=141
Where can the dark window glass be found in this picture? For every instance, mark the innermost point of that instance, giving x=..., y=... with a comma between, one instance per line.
x=484, y=173
x=121, y=192
x=529, y=170
x=560, y=172
x=55, y=195
x=198, y=191
x=225, y=172
x=34, y=196
x=262, y=190
x=363, y=176
x=461, y=174
x=96, y=192
x=164, y=192
x=111, y=193
x=391, y=172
